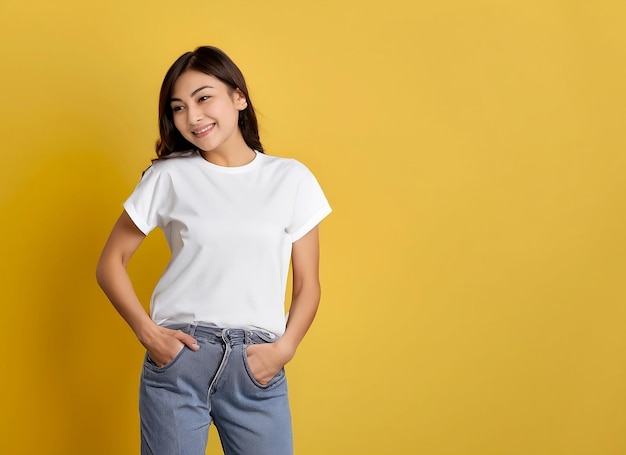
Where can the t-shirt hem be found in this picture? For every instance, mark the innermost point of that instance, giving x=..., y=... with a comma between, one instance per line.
x=134, y=216
x=313, y=221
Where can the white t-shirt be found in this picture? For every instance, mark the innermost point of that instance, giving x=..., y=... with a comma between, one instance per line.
x=230, y=232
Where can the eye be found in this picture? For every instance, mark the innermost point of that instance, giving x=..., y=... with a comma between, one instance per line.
x=203, y=98
x=177, y=108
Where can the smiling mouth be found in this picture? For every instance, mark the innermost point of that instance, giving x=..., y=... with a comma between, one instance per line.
x=204, y=130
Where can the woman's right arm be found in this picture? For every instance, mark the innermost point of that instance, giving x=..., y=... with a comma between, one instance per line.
x=161, y=343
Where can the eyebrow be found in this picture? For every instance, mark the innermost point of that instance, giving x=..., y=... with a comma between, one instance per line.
x=192, y=93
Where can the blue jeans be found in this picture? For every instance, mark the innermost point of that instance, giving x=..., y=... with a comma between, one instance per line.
x=178, y=402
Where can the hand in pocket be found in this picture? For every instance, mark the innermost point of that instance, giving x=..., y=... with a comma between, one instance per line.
x=265, y=361
x=163, y=348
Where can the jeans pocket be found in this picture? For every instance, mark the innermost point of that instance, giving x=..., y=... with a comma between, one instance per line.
x=149, y=363
x=278, y=377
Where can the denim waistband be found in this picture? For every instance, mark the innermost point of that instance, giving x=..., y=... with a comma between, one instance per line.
x=230, y=336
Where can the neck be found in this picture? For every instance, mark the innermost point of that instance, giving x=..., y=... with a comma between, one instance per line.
x=230, y=155
x=232, y=158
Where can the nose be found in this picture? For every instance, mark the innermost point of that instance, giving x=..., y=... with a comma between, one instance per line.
x=194, y=115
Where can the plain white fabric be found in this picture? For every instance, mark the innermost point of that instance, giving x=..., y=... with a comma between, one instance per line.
x=230, y=232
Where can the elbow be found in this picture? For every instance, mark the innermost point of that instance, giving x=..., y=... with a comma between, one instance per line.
x=100, y=273
x=317, y=292
x=104, y=269
x=310, y=291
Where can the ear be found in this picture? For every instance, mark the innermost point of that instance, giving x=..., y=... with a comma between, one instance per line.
x=239, y=99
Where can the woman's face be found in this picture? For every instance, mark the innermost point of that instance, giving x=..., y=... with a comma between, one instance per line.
x=206, y=111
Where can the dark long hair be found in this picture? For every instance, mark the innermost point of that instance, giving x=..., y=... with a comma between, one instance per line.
x=214, y=62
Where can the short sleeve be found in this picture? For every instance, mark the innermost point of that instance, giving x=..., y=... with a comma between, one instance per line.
x=310, y=207
x=144, y=204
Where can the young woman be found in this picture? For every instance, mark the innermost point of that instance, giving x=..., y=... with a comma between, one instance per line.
x=217, y=338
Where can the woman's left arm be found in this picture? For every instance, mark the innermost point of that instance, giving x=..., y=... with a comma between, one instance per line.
x=305, y=261
x=266, y=360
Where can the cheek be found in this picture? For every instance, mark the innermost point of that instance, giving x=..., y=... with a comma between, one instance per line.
x=232, y=113
x=179, y=123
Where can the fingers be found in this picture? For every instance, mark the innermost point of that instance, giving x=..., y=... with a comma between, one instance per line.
x=187, y=340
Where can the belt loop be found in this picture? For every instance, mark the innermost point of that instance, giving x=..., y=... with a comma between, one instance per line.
x=191, y=329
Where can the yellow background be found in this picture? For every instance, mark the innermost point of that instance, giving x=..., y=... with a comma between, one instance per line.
x=473, y=268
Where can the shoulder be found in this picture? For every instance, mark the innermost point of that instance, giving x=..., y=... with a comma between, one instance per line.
x=171, y=166
x=285, y=166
